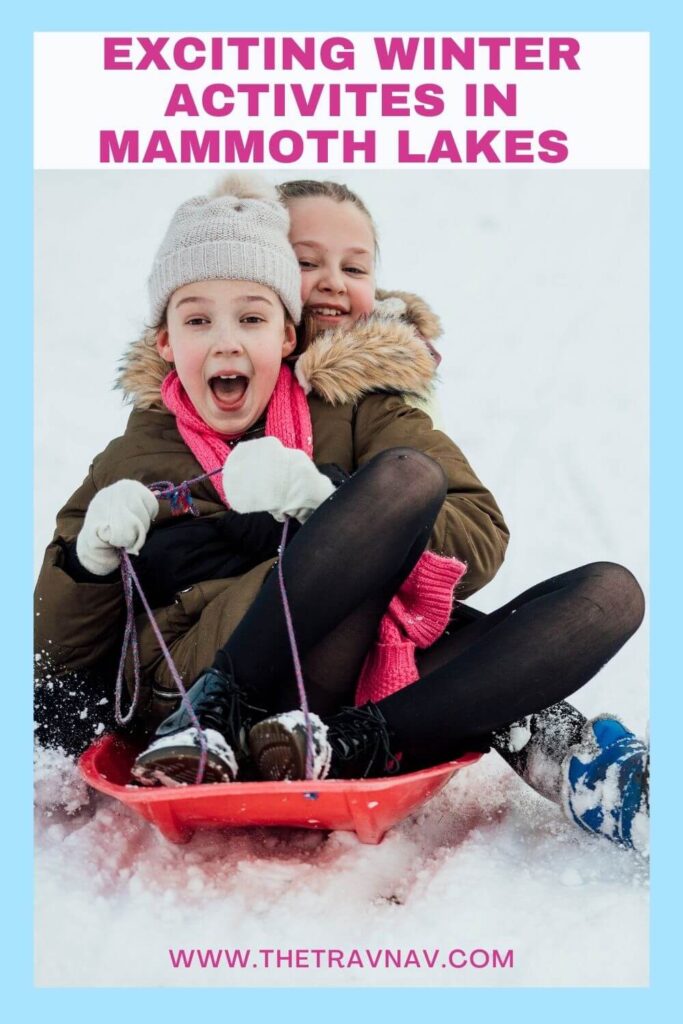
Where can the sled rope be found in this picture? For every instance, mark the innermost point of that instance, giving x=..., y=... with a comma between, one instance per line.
x=295, y=655
x=130, y=637
x=181, y=502
x=179, y=495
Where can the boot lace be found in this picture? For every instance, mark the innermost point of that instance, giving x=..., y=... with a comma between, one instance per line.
x=363, y=733
x=225, y=708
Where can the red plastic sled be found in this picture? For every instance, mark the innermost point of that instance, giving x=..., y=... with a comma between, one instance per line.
x=368, y=807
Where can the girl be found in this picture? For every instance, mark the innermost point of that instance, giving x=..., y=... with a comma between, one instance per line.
x=225, y=297
x=332, y=226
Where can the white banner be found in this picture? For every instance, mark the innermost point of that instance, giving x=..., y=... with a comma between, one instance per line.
x=363, y=100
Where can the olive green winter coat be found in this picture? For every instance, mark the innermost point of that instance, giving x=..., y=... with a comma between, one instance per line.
x=357, y=383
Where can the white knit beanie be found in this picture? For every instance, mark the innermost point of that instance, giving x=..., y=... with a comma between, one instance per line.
x=237, y=234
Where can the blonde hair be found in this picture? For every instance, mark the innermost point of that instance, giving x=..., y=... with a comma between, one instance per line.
x=304, y=188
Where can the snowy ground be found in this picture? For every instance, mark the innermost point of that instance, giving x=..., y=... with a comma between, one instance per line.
x=486, y=865
x=544, y=387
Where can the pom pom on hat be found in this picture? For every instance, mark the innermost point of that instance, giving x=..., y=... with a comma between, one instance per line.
x=239, y=233
x=245, y=186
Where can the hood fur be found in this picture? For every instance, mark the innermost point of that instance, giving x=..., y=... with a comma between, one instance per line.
x=386, y=352
x=417, y=313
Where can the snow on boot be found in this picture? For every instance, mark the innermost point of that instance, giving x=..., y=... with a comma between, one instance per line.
x=353, y=744
x=278, y=747
x=536, y=746
x=606, y=783
x=220, y=706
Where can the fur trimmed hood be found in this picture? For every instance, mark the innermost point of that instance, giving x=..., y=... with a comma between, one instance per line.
x=386, y=352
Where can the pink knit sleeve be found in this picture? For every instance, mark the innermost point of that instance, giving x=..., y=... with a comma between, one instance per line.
x=417, y=617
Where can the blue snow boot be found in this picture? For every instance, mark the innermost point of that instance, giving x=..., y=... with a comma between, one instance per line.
x=606, y=783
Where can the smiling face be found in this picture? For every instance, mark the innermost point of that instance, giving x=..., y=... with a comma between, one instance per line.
x=335, y=244
x=227, y=340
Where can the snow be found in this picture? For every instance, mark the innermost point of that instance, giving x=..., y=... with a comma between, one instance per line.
x=294, y=721
x=224, y=759
x=543, y=385
x=486, y=865
x=519, y=734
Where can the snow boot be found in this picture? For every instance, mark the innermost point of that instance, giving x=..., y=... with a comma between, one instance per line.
x=536, y=746
x=605, y=786
x=353, y=744
x=225, y=716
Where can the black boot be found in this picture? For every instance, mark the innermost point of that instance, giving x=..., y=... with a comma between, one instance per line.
x=225, y=716
x=536, y=746
x=354, y=744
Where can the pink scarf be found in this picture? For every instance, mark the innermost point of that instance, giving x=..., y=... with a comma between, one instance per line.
x=287, y=418
x=420, y=610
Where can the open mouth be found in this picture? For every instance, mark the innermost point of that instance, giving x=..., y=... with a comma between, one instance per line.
x=229, y=390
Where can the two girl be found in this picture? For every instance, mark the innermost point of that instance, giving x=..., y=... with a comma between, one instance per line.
x=392, y=520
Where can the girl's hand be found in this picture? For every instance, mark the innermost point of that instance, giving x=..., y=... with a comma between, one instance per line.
x=264, y=476
x=119, y=516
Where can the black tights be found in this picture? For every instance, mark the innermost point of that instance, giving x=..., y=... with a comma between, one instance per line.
x=341, y=571
x=526, y=656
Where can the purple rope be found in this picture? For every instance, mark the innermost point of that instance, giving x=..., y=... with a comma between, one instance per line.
x=179, y=494
x=167, y=489
x=295, y=656
x=163, y=488
x=130, y=636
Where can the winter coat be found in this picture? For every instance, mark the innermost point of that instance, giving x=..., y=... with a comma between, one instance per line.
x=357, y=383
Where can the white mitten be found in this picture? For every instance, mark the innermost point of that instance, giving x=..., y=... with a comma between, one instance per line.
x=119, y=516
x=264, y=476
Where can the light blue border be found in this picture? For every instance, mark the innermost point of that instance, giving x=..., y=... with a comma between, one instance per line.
x=663, y=20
